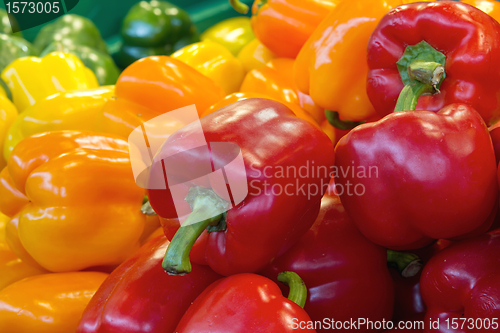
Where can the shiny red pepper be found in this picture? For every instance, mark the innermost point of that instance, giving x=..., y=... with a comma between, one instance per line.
x=140, y=297
x=281, y=205
x=468, y=41
x=346, y=275
x=461, y=285
x=248, y=303
x=418, y=176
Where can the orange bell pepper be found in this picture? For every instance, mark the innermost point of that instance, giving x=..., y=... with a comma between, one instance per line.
x=152, y=86
x=48, y=303
x=230, y=99
x=84, y=205
x=276, y=80
x=332, y=68
x=284, y=26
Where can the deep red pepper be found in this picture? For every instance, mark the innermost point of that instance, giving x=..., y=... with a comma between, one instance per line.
x=248, y=303
x=268, y=221
x=346, y=274
x=462, y=284
x=433, y=176
x=468, y=38
x=495, y=138
x=409, y=305
x=140, y=297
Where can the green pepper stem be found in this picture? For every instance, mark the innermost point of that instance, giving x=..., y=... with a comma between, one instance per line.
x=425, y=77
x=427, y=72
x=239, y=6
x=298, y=290
x=407, y=264
x=204, y=203
x=334, y=120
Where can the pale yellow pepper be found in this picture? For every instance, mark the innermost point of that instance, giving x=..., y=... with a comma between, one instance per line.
x=74, y=110
x=8, y=114
x=216, y=62
x=233, y=33
x=255, y=55
x=32, y=79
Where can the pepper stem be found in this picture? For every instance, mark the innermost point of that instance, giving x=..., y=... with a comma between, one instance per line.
x=298, y=290
x=239, y=6
x=334, y=120
x=407, y=264
x=207, y=209
x=425, y=77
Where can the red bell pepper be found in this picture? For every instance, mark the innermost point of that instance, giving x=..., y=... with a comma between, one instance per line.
x=346, y=274
x=281, y=205
x=415, y=176
x=248, y=303
x=462, y=38
x=408, y=304
x=461, y=286
x=495, y=138
x=140, y=297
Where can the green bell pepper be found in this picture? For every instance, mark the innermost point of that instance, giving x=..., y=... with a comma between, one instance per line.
x=99, y=62
x=79, y=36
x=13, y=47
x=154, y=28
x=71, y=29
x=5, y=25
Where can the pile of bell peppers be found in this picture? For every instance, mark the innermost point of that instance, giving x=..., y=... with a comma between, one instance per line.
x=365, y=134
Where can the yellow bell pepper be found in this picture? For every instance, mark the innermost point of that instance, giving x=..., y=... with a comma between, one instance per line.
x=48, y=303
x=75, y=110
x=255, y=55
x=233, y=33
x=11, y=267
x=8, y=113
x=214, y=61
x=32, y=79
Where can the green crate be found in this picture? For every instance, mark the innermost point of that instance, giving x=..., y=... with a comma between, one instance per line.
x=108, y=15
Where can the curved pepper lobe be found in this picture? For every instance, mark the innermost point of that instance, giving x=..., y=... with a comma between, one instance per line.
x=418, y=175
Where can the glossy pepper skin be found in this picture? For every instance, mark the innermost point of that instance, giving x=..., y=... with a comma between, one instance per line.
x=13, y=269
x=139, y=296
x=331, y=67
x=276, y=80
x=77, y=110
x=214, y=61
x=8, y=114
x=48, y=303
x=101, y=201
x=152, y=86
x=284, y=26
x=233, y=98
x=255, y=55
x=416, y=185
x=234, y=303
x=467, y=81
x=154, y=28
x=99, y=62
x=32, y=79
x=234, y=34
x=462, y=283
x=71, y=29
x=79, y=36
x=13, y=47
x=264, y=224
x=346, y=274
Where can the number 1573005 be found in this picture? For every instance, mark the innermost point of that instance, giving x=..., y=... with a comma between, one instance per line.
x=32, y=7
